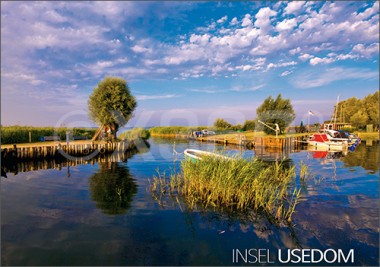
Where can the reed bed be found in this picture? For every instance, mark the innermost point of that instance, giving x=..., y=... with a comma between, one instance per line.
x=20, y=134
x=164, y=130
x=135, y=133
x=233, y=185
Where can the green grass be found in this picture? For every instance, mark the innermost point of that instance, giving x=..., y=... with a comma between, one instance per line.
x=20, y=134
x=368, y=136
x=232, y=185
x=135, y=133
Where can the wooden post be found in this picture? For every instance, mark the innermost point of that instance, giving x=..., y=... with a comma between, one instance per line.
x=30, y=137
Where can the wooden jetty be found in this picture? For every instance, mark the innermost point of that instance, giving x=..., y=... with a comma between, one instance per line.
x=71, y=149
x=259, y=141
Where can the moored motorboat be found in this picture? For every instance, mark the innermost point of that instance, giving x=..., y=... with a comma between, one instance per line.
x=322, y=141
x=196, y=155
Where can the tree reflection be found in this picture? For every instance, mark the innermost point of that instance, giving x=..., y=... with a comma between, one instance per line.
x=364, y=156
x=112, y=188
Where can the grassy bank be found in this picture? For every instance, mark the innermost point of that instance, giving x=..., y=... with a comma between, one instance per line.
x=232, y=185
x=20, y=134
x=368, y=136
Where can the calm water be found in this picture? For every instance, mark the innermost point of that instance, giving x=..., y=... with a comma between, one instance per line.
x=103, y=214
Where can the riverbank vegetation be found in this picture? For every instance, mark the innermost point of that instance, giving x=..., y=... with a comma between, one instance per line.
x=359, y=112
x=239, y=185
x=173, y=130
x=20, y=134
x=135, y=133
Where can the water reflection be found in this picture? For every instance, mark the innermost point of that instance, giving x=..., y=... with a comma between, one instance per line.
x=59, y=163
x=112, y=188
x=364, y=156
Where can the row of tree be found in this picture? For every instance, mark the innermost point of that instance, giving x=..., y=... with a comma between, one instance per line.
x=111, y=104
x=359, y=112
x=221, y=124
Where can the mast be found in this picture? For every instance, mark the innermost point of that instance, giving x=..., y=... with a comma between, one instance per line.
x=336, y=111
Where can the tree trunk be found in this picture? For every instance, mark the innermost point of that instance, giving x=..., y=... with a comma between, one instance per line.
x=114, y=128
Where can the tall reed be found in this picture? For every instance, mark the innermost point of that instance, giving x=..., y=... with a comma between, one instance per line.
x=175, y=129
x=237, y=184
x=20, y=134
x=135, y=133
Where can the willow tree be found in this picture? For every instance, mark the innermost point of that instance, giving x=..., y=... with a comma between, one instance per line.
x=111, y=104
x=275, y=111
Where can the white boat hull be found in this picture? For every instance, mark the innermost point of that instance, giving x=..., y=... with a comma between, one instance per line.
x=328, y=145
x=196, y=154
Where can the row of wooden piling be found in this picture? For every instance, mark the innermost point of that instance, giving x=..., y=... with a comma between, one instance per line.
x=41, y=150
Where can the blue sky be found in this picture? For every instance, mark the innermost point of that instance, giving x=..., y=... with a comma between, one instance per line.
x=186, y=62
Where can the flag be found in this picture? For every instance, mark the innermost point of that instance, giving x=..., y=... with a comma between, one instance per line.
x=311, y=113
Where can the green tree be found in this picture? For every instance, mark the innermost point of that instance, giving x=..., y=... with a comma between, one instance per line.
x=111, y=104
x=359, y=119
x=371, y=103
x=359, y=111
x=274, y=111
x=221, y=124
x=249, y=125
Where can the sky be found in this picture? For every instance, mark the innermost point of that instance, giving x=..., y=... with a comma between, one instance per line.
x=187, y=63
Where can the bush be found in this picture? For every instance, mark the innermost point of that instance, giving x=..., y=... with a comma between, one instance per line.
x=237, y=127
x=221, y=124
x=249, y=125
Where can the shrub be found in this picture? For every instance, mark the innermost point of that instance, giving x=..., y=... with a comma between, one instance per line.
x=249, y=125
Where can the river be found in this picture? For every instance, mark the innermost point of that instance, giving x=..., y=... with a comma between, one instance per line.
x=104, y=214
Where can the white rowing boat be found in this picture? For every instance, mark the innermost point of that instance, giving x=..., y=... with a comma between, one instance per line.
x=195, y=154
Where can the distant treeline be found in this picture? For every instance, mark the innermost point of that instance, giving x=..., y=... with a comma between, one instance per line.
x=20, y=134
x=360, y=112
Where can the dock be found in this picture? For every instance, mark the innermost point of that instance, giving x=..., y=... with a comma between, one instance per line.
x=258, y=141
x=83, y=148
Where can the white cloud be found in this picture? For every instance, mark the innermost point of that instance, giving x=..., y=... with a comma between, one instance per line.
x=317, y=60
x=263, y=18
x=327, y=76
x=234, y=21
x=293, y=7
x=206, y=91
x=153, y=97
x=366, y=51
x=246, y=21
x=141, y=49
x=368, y=12
x=287, y=24
x=222, y=20
x=295, y=50
x=286, y=73
x=281, y=64
x=240, y=88
x=305, y=57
